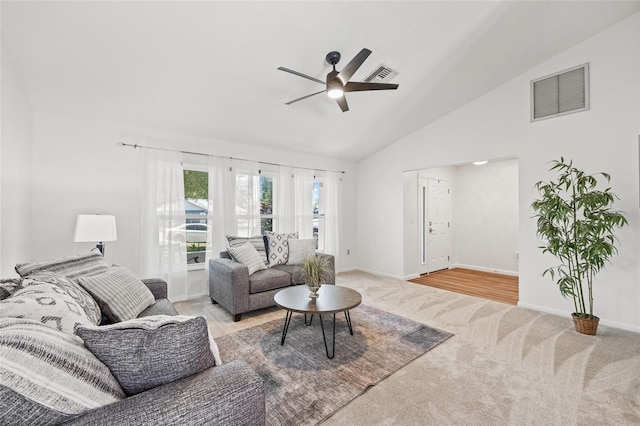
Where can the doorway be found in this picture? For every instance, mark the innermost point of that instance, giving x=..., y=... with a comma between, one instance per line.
x=480, y=227
x=434, y=206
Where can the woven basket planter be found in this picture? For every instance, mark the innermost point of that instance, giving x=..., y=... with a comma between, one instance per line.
x=585, y=325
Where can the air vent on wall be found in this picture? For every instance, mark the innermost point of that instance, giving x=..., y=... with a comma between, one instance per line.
x=562, y=93
x=381, y=75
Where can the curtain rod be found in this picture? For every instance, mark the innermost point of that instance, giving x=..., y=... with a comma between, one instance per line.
x=135, y=145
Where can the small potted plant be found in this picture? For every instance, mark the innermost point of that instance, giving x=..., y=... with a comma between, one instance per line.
x=576, y=222
x=315, y=272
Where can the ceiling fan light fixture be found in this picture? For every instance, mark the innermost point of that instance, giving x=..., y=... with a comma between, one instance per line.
x=335, y=93
x=339, y=82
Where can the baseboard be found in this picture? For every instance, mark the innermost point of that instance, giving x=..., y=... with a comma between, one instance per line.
x=483, y=269
x=603, y=321
x=340, y=271
x=381, y=274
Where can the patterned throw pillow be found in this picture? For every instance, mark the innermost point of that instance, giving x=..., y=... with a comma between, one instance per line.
x=120, y=294
x=279, y=247
x=257, y=242
x=9, y=286
x=79, y=265
x=248, y=256
x=299, y=250
x=147, y=352
x=47, y=304
x=72, y=288
x=47, y=376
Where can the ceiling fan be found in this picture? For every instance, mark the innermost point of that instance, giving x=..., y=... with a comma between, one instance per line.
x=338, y=83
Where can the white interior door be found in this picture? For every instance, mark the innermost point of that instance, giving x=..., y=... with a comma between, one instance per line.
x=434, y=225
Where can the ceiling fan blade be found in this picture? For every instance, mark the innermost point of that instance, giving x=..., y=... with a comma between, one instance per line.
x=355, y=86
x=350, y=69
x=299, y=74
x=305, y=97
x=342, y=101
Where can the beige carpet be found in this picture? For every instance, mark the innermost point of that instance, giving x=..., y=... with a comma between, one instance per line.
x=504, y=366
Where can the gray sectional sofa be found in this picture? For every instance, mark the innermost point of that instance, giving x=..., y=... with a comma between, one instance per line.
x=231, y=393
x=231, y=286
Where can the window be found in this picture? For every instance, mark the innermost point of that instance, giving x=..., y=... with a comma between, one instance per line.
x=267, y=217
x=196, y=194
x=318, y=213
x=254, y=193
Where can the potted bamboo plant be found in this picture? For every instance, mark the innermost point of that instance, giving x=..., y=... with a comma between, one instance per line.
x=315, y=271
x=576, y=222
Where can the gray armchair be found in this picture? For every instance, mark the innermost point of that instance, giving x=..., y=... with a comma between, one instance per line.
x=231, y=286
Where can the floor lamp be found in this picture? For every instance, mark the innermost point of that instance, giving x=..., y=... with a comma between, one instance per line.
x=95, y=228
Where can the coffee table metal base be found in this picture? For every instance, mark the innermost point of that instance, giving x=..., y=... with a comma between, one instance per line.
x=287, y=321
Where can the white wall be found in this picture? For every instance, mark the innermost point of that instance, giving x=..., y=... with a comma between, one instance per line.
x=485, y=217
x=497, y=125
x=16, y=139
x=78, y=168
x=411, y=224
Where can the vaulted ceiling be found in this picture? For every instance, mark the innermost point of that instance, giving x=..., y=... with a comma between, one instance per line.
x=210, y=68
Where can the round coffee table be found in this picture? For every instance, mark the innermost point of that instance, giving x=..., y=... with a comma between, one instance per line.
x=331, y=299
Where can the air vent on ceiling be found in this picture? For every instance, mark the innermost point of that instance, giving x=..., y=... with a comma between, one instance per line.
x=381, y=75
x=562, y=93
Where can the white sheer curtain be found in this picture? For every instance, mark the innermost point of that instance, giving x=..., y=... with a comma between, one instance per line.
x=303, y=202
x=247, y=198
x=333, y=212
x=221, y=213
x=163, y=250
x=284, y=201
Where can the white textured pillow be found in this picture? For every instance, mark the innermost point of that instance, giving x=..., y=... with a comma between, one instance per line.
x=300, y=250
x=48, y=304
x=257, y=241
x=278, y=250
x=73, y=289
x=248, y=256
x=80, y=265
x=48, y=376
x=120, y=294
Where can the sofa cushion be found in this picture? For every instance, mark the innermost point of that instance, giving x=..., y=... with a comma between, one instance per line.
x=257, y=242
x=147, y=352
x=80, y=265
x=268, y=279
x=279, y=247
x=119, y=293
x=299, y=250
x=72, y=288
x=9, y=286
x=47, y=304
x=248, y=256
x=47, y=376
x=295, y=272
x=161, y=307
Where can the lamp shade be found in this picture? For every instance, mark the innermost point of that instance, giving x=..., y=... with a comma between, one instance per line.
x=95, y=228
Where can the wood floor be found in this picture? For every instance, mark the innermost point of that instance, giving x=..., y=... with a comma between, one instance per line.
x=487, y=285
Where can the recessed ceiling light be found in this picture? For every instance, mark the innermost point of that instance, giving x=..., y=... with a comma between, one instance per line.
x=480, y=163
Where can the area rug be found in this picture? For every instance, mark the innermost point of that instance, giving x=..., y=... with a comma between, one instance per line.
x=303, y=386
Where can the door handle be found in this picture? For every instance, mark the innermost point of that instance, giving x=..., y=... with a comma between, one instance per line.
x=430, y=230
